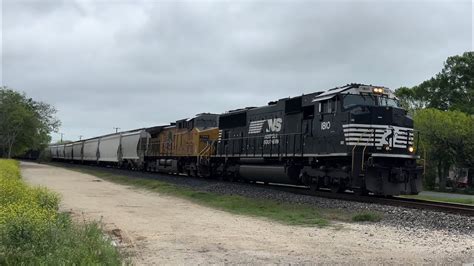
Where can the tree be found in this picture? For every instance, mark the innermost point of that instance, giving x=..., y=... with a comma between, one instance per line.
x=413, y=98
x=24, y=123
x=450, y=89
x=447, y=138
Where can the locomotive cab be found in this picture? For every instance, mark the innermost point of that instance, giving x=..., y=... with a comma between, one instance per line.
x=372, y=137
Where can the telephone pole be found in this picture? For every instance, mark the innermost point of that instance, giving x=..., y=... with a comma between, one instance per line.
x=116, y=129
x=80, y=137
x=62, y=134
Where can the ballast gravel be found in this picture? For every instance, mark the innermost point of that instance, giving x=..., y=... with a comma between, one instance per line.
x=414, y=220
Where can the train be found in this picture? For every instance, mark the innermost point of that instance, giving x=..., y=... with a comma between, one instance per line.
x=356, y=137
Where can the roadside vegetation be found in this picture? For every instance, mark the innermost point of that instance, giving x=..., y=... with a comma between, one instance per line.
x=304, y=215
x=33, y=232
x=443, y=112
x=25, y=124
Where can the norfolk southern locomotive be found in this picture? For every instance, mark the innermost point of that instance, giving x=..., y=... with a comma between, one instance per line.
x=354, y=137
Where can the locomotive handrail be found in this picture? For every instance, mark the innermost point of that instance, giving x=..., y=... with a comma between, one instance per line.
x=355, y=146
x=365, y=147
x=260, y=136
x=207, y=148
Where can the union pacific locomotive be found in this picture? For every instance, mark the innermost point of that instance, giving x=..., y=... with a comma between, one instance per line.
x=354, y=137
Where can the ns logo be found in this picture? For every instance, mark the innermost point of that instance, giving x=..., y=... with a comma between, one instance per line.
x=274, y=125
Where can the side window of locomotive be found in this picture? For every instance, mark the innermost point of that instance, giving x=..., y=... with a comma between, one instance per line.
x=333, y=104
x=323, y=107
x=327, y=106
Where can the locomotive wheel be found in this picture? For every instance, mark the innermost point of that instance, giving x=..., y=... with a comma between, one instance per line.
x=314, y=187
x=338, y=188
x=232, y=177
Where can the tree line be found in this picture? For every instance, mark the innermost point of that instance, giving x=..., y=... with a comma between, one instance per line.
x=443, y=112
x=25, y=124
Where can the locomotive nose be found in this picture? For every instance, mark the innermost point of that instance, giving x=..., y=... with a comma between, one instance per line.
x=390, y=116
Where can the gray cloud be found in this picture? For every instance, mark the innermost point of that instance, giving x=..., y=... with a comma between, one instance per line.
x=141, y=63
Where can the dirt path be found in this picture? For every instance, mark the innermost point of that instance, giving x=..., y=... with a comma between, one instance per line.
x=167, y=230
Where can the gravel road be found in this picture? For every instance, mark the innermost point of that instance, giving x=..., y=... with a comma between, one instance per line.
x=158, y=229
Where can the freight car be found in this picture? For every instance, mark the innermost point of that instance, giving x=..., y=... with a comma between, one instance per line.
x=124, y=149
x=353, y=137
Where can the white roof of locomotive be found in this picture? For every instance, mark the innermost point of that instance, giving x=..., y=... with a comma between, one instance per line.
x=351, y=89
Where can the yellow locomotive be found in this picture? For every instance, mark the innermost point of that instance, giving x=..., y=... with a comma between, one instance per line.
x=184, y=145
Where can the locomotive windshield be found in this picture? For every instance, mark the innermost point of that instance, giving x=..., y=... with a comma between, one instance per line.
x=351, y=100
x=385, y=101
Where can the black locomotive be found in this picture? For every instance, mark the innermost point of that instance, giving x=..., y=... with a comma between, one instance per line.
x=353, y=137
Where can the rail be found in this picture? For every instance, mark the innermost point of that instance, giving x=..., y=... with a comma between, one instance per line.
x=454, y=208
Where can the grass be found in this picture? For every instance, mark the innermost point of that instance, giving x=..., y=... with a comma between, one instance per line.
x=33, y=232
x=367, y=217
x=293, y=214
x=441, y=199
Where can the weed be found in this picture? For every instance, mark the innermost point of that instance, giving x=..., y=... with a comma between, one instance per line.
x=33, y=232
x=367, y=217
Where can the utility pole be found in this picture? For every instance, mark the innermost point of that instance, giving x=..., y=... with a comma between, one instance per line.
x=116, y=129
x=62, y=134
x=80, y=137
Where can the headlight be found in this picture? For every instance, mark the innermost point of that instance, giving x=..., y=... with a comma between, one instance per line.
x=411, y=149
x=378, y=90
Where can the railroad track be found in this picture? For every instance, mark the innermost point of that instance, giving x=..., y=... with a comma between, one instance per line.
x=462, y=209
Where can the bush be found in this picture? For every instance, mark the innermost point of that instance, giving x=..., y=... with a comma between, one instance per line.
x=33, y=232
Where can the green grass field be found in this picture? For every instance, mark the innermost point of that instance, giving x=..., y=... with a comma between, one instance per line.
x=34, y=232
x=292, y=214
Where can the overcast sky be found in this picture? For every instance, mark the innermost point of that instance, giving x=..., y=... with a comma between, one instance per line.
x=132, y=64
